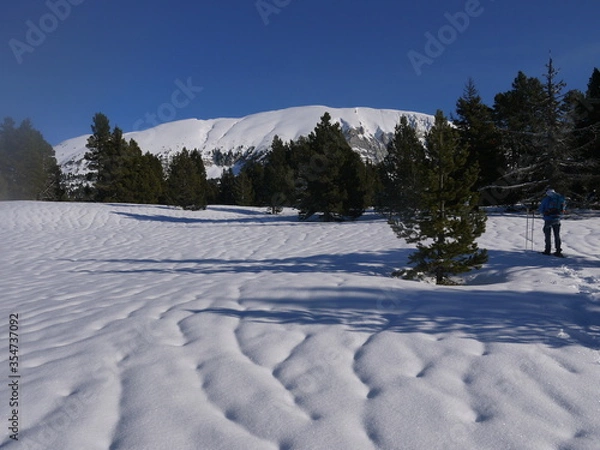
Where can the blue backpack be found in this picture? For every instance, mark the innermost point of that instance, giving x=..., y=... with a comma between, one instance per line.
x=556, y=205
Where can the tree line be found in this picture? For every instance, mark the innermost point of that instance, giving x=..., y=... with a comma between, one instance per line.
x=534, y=135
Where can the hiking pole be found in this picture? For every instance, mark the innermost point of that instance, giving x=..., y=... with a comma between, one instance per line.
x=526, y=229
x=532, y=228
x=529, y=229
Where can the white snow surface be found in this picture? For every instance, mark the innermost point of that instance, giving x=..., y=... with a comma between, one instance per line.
x=148, y=327
x=251, y=133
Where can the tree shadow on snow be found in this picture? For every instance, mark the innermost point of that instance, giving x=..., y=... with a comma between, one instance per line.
x=554, y=320
x=488, y=315
x=361, y=263
x=499, y=269
x=248, y=219
x=246, y=216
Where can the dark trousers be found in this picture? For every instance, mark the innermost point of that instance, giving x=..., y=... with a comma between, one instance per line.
x=549, y=228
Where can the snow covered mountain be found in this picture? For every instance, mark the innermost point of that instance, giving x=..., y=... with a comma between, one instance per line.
x=367, y=130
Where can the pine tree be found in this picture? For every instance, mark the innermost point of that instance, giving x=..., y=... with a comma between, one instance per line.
x=279, y=176
x=518, y=115
x=586, y=135
x=123, y=180
x=243, y=190
x=98, y=145
x=331, y=177
x=119, y=172
x=480, y=136
x=28, y=167
x=149, y=183
x=354, y=184
x=446, y=222
x=212, y=191
x=399, y=172
x=186, y=180
x=105, y=156
x=255, y=172
x=536, y=136
x=227, y=188
x=556, y=155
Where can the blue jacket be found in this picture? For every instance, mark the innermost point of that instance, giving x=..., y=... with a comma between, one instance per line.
x=552, y=207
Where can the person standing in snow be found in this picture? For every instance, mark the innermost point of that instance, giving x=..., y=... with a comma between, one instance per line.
x=552, y=209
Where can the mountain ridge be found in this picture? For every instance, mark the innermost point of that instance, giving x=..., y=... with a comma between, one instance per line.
x=367, y=130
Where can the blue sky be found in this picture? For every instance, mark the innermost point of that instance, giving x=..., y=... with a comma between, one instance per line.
x=143, y=63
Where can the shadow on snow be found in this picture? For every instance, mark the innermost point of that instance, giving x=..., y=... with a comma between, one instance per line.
x=555, y=320
x=501, y=315
x=237, y=214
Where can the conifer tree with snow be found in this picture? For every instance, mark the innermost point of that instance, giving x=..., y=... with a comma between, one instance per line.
x=445, y=222
x=331, y=177
x=186, y=180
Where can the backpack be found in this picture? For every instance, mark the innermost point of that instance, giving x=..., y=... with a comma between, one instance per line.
x=556, y=205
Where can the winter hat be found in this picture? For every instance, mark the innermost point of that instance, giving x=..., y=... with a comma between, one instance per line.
x=550, y=192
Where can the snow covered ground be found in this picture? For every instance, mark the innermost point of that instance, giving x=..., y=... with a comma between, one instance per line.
x=147, y=327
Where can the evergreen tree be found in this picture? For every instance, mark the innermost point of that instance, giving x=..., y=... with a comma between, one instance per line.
x=106, y=159
x=373, y=183
x=331, y=180
x=121, y=175
x=243, y=189
x=446, y=222
x=354, y=184
x=212, y=191
x=399, y=172
x=28, y=167
x=518, y=114
x=254, y=171
x=119, y=172
x=279, y=176
x=186, y=180
x=556, y=155
x=98, y=145
x=227, y=188
x=480, y=136
x=149, y=177
x=586, y=122
x=536, y=136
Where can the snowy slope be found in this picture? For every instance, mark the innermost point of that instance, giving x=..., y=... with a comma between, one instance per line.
x=368, y=127
x=151, y=328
